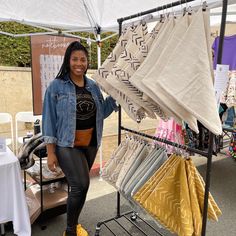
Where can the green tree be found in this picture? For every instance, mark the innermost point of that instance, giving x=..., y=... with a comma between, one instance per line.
x=15, y=51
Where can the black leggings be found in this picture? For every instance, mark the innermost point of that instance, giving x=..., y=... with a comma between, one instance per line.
x=76, y=164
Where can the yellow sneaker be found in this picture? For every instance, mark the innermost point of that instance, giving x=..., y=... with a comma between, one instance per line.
x=81, y=231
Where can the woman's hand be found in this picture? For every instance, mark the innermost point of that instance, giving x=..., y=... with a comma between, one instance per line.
x=52, y=162
x=52, y=158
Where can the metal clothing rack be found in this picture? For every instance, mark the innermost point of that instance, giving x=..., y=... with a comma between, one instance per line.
x=133, y=215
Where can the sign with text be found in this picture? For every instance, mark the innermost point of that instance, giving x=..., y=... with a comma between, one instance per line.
x=47, y=53
x=221, y=80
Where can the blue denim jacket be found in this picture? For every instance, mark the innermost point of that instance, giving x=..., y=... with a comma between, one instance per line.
x=59, y=111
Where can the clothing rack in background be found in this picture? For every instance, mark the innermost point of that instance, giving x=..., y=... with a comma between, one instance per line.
x=208, y=154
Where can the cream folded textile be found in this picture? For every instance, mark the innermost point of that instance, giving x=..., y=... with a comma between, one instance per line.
x=129, y=61
x=156, y=49
x=188, y=78
x=130, y=107
x=149, y=81
x=134, y=43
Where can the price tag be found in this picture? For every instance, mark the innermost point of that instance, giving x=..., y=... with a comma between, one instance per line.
x=221, y=80
x=3, y=146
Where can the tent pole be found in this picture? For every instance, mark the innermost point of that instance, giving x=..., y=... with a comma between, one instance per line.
x=99, y=64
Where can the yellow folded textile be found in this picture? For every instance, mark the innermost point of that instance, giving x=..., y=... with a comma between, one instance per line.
x=213, y=209
x=195, y=207
x=150, y=185
x=170, y=203
x=174, y=195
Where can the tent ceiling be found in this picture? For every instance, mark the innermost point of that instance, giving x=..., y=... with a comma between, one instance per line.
x=81, y=15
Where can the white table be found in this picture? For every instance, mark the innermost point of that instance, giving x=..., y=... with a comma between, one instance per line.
x=13, y=205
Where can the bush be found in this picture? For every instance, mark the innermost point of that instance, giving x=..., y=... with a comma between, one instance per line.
x=16, y=51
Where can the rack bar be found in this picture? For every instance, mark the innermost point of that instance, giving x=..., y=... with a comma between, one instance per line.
x=163, y=7
x=109, y=229
x=167, y=142
x=122, y=227
x=150, y=225
x=127, y=218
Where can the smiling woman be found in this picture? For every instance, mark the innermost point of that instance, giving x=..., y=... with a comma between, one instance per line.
x=73, y=114
x=78, y=67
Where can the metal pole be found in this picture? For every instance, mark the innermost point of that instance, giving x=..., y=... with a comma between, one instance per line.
x=119, y=131
x=211, y=137
x=99, y=64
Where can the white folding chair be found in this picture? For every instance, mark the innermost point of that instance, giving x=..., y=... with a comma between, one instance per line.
x=4, y=119
x=26, y=116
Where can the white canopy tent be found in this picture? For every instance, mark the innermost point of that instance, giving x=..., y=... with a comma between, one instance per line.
x=83, y=15
x=88, y=15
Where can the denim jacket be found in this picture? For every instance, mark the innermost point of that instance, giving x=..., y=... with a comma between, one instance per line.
x=59, y=111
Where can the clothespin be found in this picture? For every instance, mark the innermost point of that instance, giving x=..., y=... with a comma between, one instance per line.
x=146, y=18
x=204, y=6
x=190, y=10
x=162, y=18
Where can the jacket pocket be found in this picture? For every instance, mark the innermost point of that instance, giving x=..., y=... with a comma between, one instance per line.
x=62, y=102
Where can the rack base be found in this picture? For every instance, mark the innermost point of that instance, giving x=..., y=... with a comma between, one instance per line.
x=131, y=217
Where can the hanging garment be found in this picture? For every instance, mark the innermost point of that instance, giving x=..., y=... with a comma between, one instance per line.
x=193, y=90
x=130, y=107
x=171, y=131
x=229, y=52
x=232, y=146
x=228, y=58
x=229, y=94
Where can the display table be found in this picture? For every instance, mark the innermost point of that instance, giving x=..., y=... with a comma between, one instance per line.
x=13, y=205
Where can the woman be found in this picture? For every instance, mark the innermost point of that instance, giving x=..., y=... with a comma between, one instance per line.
x=73, y=114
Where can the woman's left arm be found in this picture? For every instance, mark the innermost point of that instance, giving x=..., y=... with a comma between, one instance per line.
x=109, y=106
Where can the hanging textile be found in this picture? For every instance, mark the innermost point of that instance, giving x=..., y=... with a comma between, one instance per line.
x=171, y=131
x=136, y=42
x=232, y=146
x=228, y=58
x=174, y=195
x=148, y=63
x=131, y=108
x=129, y=61
x=229, y=52
x=193, y=90
x=157, y=59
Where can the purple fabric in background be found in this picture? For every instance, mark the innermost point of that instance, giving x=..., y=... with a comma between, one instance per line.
x=229, y=51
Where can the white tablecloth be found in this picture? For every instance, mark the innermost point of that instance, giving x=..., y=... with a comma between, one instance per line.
x=13, y=205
